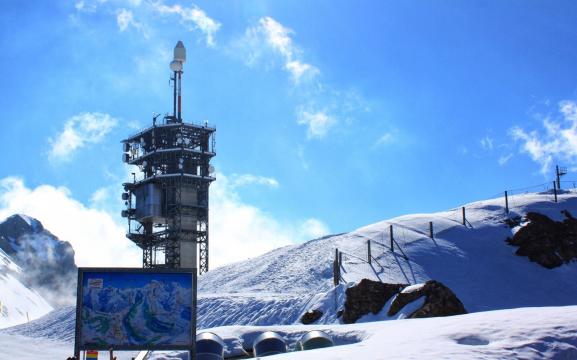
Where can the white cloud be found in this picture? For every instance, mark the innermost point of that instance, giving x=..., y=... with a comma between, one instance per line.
x=270, y=37
x=239, y=231
x=486, y=143
x=318, y=122
x=192, y=17
x=97, y=239
x=80, y=130
x=100, y=196
x=504, y=159
x=270, y=44
x=313, y=228
x=557, y=142
x=88, y=5
x=300, y=70
x=249, y=179
x=386, y=138
x=300, y=152
x=125, y=18
x=127, y=11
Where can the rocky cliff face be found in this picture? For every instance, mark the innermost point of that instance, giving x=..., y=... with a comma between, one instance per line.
x=545, y=241
x=47, y=262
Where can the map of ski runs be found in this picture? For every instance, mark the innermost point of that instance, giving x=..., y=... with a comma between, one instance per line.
x=123, y=310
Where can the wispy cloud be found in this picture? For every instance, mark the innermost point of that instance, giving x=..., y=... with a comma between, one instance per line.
x=141, y=15
x=125, y=18
x=250, y=179
x=79, y=131
x=270, y=44
x=300, y=153
x=486, y=143
x=318, y=123
x=385, y=139
x=271, y=38
x=557, y=140
x=504, y=159
x=193, y=18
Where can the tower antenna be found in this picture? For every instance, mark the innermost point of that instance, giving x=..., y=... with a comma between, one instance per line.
x=170, y=203
x=176, y=67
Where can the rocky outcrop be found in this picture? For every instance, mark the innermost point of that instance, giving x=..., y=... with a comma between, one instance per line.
x=439, y=301
x=367, y=297
x=370, y=297
x=545, y=241
x=311, y=316
x=47, y=262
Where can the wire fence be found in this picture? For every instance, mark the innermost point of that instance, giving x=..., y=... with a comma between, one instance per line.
x=378, y=245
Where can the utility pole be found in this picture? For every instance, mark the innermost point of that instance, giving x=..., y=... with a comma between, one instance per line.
x=559, y=172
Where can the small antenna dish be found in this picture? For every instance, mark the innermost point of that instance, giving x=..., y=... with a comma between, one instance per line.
x=176, y=65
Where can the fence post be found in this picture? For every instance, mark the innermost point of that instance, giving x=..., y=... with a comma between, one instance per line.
x=431, y=229
x=391, y=236
x=506, y=202
x=336, y=269
x=369, y=251
x=558, y=177
x=555, y=190
x=464, y=218
x=340, y=261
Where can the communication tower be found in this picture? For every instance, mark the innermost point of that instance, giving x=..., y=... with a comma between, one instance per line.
x=167, y=203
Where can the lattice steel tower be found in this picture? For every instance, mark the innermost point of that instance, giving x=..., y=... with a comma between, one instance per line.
x=167, y=203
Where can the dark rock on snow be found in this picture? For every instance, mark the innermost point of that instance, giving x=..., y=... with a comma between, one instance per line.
x=513, y=221
x=547, y=242
x=371, y=296
x=311, y=316
x=367, y=296
x=439, y=301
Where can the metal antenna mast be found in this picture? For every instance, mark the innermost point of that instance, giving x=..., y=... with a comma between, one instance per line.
x=167, y=203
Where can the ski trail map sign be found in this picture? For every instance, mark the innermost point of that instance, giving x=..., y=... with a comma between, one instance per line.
x=135, y=309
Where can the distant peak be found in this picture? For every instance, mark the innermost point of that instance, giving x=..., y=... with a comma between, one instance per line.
x=27, y=218
x=19, y=224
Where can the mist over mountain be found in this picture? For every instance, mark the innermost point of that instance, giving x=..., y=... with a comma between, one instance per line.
x=47, y=262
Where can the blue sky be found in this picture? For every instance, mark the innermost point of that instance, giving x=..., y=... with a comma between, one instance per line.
x=330, y=115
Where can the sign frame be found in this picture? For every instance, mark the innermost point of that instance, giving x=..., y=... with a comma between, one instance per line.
x=79, y=346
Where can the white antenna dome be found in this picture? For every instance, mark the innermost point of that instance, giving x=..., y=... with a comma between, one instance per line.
x=179, y=52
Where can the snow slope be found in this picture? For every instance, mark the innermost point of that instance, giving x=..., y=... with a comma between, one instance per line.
x=18, y=303
x=527, y=333
x=473, y=260
x=275, y=289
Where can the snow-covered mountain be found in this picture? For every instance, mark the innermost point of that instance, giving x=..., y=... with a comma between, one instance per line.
x=47, y=262
x=474, y=260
